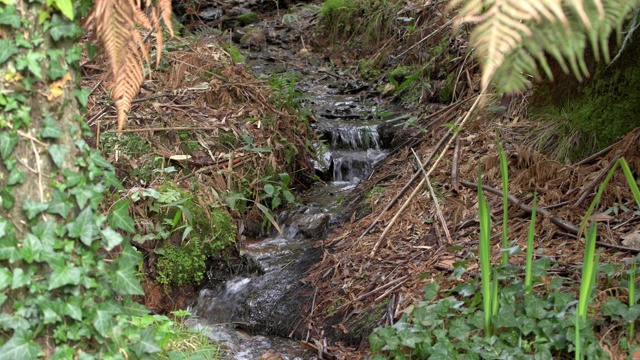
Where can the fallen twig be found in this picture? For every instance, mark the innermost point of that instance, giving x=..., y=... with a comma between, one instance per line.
x=435, y=200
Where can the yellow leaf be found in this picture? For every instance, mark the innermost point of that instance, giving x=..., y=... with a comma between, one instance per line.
x=56, y=89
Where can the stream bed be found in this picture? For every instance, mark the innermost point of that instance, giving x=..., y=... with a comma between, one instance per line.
x=254, y=313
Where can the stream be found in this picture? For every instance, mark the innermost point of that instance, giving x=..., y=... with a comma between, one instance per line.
x=254, y=313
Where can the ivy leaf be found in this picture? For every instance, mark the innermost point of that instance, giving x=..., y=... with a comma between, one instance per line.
x=9, y=248
x=119, y=217
x=9, y=16
x=129, y=258
x=65, y=7
x=110, y=238
x=51, y=130
x=20, y=279
x=5, y=278
x=72, y=178
x=147, y=343
x=31, y=61
x=33, y=208
x=5, y=227
x=45, y=231
x=125, y=282
x=102, y=319
x=73, y=308
x=7, y=49
x=60, y=28
x=59, y=204
x=58, y=153
x=20, y=346
x=132, y=308
x=15, y=177
x=83, y=96
x=83, y=227
x=99, y=160
x=83, y=194
x=8, y=142
x=62, y=275
x=32, y=249
x=6, y=198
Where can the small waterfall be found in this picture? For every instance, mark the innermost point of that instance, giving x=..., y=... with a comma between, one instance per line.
x=355, y=137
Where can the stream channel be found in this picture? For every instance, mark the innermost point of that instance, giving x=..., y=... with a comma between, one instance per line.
x=253, y=314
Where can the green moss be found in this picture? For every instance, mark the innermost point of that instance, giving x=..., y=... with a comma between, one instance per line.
x=235, y=53
x=181, y=265
x=445, y=93
x=586, y=118
x=248, y=18
x=213, y=233
x=130, y=145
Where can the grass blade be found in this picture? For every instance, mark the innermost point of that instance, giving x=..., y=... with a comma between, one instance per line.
x=485, y=248
x=528, y=278
x=504, y=170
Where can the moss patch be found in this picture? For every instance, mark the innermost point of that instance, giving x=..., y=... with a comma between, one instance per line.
x=593, y=115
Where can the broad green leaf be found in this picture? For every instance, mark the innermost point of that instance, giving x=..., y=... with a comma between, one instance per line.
x=289, y=196
x=110, y=238
x=126, y=282
x=31, y=61
x=83, y=96
x=73, y=178
x=51, y=129
x=73, y=308
x=58, y=153
x=119, y=216
x=65, y=7
x=64, y=275
x=102, y=319
x=431, y=291
x=269, y=189
x=9, y=248
x=20, y=278
x=63, y=352
x=6, y=197
x=9, y=16
x=285, y=178
x=33, y=208
x=45, y=231
x=20, y=346
x=7, y=49
x=83, y=194
x=32, y=249
x=5, y=277
x=59, y=204
x=15, y=177
x=8, y=142
x=60, y=28
x=132, y=308
x=99, y=160
x=5, y=227
x=147, y=343
x=83, y=227
x=129, y=258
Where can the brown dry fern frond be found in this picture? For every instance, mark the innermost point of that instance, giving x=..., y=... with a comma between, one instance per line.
x=114, y=24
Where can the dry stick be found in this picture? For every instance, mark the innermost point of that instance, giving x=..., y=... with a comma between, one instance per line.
x=595, y=156
x=554, y=219
x=390, y=283
x=442, y=112
x=454, y=166
x=389, y=291
x=597, y=180
x=458, y=125
x=435, y=200
x=424, y=38
x=166, y=129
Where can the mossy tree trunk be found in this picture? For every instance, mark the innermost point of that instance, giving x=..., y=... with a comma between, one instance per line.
x=59, y=296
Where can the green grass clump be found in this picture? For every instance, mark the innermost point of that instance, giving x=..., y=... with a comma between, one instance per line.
x=180, y=265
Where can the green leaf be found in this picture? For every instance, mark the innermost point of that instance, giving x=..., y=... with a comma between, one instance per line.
x=289, y=196
x=5, y=278
x=31, y=61
x=129, y=258
x=58, y=153
x=110, y=238
x=19, y=278
x=5, y=227
x=98, y=160
x=59, y=204
x=32, y=249
x=33, y=208
x=83, y=194
x=51, y=130
x=60, y=28
x=73, y=308
x=8, y=142
x=65, y=7
x=63, y=275
x=285, y=178
x=83, y=227
x=119, y=216
x=269, y=189
x=15, y=177
x=6, y=198
x=9, y=248
x=45, y=231
x=20, y=346
x=126, y=282
x=431, y=291
x=7, y=49
x=83, y=96
x=102, y=319
x=147, y=343
x=9, y=16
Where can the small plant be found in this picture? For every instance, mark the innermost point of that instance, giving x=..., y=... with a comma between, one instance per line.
x=278, y=191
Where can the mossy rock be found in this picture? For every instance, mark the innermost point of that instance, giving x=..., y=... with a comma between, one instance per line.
x=248, y=18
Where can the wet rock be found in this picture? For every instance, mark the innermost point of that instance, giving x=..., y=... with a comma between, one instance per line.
x=313, y=226
x=271, y=355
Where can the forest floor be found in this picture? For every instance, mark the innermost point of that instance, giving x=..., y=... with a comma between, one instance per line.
x=402, y=234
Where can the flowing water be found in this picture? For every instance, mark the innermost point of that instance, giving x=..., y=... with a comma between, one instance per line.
x=269, y=299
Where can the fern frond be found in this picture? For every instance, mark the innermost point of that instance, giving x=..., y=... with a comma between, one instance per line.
x=114, y=22
x=512, y=37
